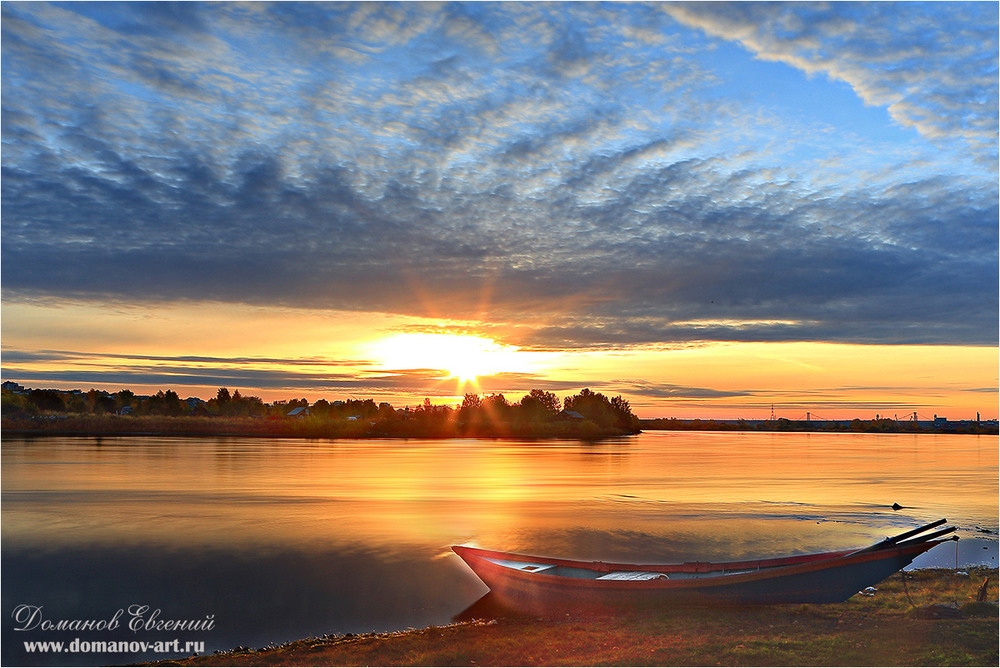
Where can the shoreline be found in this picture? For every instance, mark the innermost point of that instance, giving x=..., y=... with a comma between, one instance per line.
x=927, y=617
x=882, y=426
x=113, y=425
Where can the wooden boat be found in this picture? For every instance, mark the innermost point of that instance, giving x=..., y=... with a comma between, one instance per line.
x=539, y=584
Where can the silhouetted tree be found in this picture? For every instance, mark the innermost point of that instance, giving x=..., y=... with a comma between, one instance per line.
x=46, y=400
x=163, y=403
x=124, y=398
x=240, y=406
x=597, y=408
x=623, y=413
x=538, y=405
x=15, y=404
x=99, y=402
x=496, y=402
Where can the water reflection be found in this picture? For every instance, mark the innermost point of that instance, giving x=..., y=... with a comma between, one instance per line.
x=285, y=538
x=255, y=598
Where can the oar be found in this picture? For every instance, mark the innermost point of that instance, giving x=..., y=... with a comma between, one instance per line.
x=891, y=542
x=914, y=532
x=928, y=537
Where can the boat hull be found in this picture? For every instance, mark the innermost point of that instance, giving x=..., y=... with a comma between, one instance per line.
x=822, y=578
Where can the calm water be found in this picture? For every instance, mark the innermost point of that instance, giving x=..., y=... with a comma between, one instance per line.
x=275, y=540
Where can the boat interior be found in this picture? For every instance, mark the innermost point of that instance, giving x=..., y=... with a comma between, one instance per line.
x=696, y=570
x=594, y=574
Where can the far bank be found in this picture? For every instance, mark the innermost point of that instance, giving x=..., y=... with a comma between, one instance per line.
x=116, y=425
x=876, y=426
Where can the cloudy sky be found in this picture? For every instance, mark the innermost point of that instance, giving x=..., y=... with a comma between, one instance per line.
x=707, y=207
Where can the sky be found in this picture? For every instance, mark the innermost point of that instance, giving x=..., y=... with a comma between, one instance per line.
x=708, y=208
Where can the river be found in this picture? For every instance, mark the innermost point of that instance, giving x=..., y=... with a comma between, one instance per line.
x=270, y=540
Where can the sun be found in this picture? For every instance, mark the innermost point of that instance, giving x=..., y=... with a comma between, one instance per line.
x=463, y=356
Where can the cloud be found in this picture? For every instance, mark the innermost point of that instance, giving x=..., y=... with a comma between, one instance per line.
x=642, y=388
x=579, y=179
x=36, y=368
x=293, y=374
x=904, y=58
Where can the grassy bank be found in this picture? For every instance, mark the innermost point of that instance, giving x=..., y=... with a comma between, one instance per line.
x=929, y=618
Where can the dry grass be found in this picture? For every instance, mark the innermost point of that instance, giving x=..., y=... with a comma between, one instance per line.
x=881, y=630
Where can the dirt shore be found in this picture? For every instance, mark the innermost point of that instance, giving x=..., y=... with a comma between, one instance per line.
x=928, y=618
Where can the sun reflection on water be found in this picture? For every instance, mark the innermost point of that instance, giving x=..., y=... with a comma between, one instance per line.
x=734, y=490
x=286, y=538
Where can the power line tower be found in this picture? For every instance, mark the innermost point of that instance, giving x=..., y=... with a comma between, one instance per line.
x=772, y=413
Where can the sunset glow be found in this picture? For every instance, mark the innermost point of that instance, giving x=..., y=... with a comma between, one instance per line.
x=464, y=357
x=714, y=210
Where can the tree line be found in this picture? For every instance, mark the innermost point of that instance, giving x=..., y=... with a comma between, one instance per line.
x=476, y=412
x=542, y=406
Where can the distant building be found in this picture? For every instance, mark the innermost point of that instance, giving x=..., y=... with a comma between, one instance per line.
x=300, y=412
x=11, y=386
x=571, y=415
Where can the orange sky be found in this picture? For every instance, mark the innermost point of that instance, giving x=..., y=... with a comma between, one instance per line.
x=709, y=208
x=276, y=353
